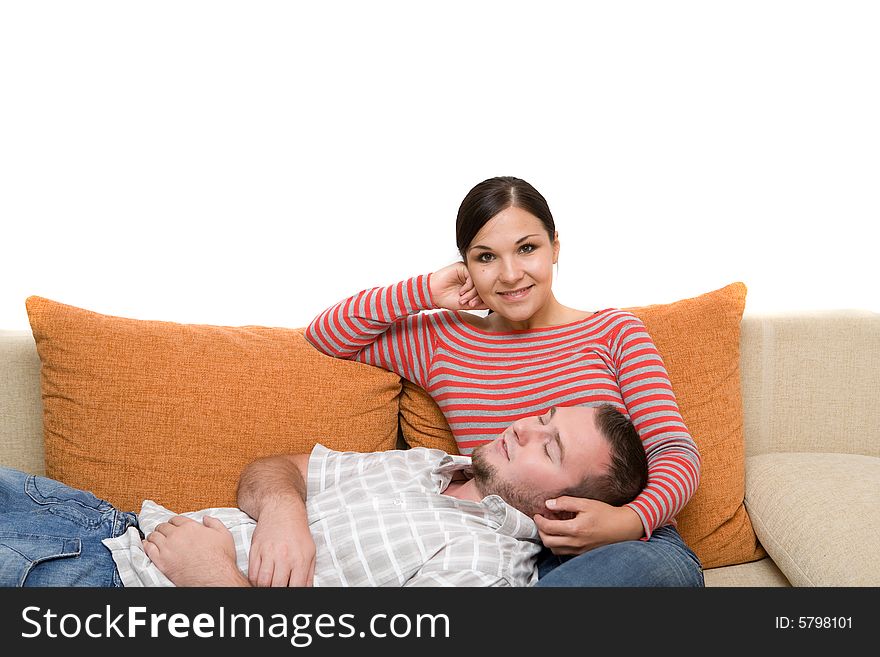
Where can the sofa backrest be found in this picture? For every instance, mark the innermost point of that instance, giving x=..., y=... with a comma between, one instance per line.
x=811, y=382
x=21, y=409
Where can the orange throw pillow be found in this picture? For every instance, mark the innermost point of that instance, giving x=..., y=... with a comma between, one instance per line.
x=422, y=423
x=138, y=410
x=698, y=339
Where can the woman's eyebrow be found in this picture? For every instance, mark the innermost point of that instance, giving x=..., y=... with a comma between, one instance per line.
x=519, y=241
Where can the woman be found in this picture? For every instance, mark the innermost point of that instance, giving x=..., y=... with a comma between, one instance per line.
x=528, y=354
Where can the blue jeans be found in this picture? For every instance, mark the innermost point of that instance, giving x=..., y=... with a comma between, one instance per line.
x=50, y=534
x=662, y=560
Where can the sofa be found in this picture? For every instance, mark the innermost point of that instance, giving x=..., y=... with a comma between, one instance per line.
x=805, y=498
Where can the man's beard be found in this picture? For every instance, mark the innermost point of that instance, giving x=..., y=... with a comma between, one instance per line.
x=489, y=482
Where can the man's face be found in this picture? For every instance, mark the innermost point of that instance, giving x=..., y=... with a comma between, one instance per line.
x=538, y=456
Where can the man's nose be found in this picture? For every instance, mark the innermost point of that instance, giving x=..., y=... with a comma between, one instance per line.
x=529, y=429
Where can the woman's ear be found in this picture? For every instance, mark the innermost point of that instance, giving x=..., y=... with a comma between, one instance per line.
x=555, y=247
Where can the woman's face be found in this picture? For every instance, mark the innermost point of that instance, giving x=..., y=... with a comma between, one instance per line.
x=511, y=264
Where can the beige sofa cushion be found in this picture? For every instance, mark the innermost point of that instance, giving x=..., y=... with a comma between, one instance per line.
x=810, y=382
x=21, y=411
x=759, y=573
x=818, y=515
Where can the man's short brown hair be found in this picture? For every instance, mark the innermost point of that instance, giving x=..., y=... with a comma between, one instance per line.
x=627, y=474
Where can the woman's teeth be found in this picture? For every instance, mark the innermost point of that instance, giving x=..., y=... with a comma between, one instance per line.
x=516, y=294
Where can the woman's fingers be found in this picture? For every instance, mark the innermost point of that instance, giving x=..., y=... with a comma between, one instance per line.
x=469, y=298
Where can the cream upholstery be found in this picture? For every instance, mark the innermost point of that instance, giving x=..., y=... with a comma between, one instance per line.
x=21, y=409
x=758, y=573
x=817, y=515
x=811, y=382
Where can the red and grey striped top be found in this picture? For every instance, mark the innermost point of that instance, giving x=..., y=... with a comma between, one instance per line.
x=483, y=381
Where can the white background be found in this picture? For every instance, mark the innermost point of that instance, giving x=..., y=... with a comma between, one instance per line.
x=253, y=162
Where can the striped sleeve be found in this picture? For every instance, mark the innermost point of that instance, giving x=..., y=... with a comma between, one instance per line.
x=382, y=327
x=673, y=457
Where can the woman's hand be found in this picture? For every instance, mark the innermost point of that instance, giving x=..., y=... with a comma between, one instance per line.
x=282, y=551
x=453, y=289
x=594, y=524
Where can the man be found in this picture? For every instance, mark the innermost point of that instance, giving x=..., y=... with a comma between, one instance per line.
x=411, y=517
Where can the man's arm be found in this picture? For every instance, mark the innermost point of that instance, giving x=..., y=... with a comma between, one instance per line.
x=272, y=491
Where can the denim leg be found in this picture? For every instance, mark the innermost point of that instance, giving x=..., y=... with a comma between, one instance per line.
x=50, y=534
x=662, y=560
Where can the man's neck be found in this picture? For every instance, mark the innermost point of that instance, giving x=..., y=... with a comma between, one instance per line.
x=464, y=489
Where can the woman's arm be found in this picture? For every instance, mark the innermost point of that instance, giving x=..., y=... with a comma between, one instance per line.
x=673, y=457
x=382, y=326
x=379, y=327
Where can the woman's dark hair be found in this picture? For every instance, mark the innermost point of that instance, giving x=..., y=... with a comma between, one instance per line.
x=492, y=196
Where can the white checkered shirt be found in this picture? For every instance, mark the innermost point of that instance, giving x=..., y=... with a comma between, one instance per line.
x=378, y=519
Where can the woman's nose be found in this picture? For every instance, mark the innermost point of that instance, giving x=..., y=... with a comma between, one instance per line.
x=510, y=273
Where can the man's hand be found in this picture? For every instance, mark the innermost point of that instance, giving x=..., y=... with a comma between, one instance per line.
x=452, y=289
x=594, y=524
x=190, y=553
x=282, y=549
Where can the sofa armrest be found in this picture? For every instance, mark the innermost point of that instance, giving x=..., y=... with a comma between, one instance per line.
x=817, y=515
x=21, y=408
x=811, y=382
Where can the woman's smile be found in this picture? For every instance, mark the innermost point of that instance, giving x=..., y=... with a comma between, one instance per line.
x=517, y=294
